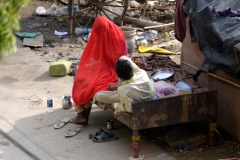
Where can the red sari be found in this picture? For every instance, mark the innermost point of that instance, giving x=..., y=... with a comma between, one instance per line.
x=96, y=68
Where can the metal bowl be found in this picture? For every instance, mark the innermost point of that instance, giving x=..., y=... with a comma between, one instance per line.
x=162, y=74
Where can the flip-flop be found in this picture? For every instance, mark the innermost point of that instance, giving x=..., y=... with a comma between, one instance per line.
x=72, y=132
x=104, y=137
x=94, y=134
x=61, y=123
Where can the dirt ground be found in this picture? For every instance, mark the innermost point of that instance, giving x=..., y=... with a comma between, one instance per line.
x=69, y=48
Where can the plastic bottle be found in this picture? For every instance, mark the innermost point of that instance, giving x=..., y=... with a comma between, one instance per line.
x=79, y=30
x=60, y=11
x=75, y=8
x=49, y=102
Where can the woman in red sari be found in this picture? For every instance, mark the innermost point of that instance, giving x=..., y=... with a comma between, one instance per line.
x=96, y=68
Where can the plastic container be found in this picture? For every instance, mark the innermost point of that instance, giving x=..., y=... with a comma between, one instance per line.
x=129, y=34
x=49, y=102
x=51, y=9
x=67, y=102
x=79, y=30
x=141, y=41
x=60, y=68
x=60, y=11
x=183, y=86
x=110, y=125
x=75, y=8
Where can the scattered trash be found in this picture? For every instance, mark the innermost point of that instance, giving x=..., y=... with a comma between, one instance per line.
x=27, y=34
x=60, y=68
x=54, y=10
x=141, y=41
x=41, y=10
x=34, y=42
x=75, y=46
x=149, y=34
x=162, y=156
x=60, y=11
x=51, y=9
x=171, y=33
x=133, y=4
x=60, y=33
x=79, y=30
x=154, y=49
x=33, y=101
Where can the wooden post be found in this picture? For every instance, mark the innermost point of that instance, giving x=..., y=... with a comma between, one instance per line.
x=144, y=9
x=70, y=4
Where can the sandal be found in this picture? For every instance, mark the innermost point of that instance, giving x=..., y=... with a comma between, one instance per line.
x=72, y=132
x=61, y=123
x=94, y=134
x=104, y=137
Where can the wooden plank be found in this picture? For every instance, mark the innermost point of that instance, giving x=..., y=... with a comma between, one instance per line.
x=174, y=110
x=125, y=118
x=34, y=42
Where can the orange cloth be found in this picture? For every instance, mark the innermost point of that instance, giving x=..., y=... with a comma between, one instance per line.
x=96, y=68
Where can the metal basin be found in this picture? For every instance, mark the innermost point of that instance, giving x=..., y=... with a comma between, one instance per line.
x=162, y=74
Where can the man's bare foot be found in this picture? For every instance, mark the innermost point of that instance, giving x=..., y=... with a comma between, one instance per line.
x=79, y=119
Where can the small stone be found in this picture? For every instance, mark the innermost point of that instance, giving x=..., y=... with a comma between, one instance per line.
x=5, y=143
x=151, y=39
x=46, y=52
x=80, y=41
x=62, y=54
x=75, y=46
x=169, y=14
x=66, y=40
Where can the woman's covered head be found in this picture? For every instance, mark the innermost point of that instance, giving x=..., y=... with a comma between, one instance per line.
x=124, y=69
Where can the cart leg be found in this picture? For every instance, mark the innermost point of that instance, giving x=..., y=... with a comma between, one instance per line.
x=135, y=146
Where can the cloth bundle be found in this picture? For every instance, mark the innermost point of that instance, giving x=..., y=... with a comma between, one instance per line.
x=164, y=89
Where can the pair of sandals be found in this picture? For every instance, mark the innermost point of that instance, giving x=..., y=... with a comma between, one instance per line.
x=102, y=136
x=71, y=131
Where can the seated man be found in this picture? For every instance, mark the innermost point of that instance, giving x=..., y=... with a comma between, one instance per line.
x=134, y=85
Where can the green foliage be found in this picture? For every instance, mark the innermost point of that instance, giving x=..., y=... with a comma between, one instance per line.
x=166, y=35
x=9, y=22
x=134, y=25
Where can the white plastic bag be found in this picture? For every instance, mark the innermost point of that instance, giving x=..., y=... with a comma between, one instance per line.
x=41, y=10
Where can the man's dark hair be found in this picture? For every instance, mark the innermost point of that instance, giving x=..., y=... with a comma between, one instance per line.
x=124, y=69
